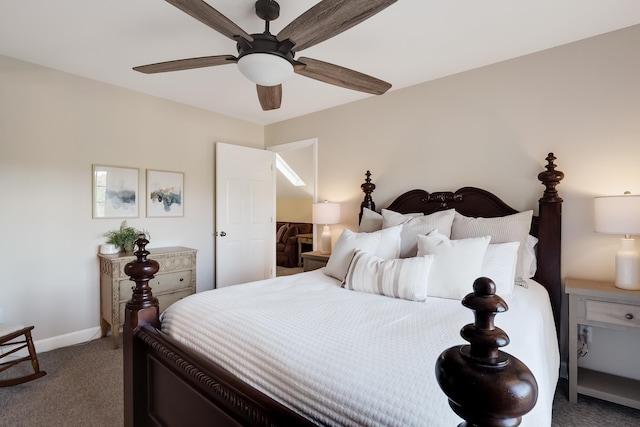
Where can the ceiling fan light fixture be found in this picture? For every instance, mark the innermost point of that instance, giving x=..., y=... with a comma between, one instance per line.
x=265, y=69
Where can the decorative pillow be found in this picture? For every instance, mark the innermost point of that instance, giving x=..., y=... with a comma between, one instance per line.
x=456, y=265
x=389, y=242
x=499, y=265
x=530, y=264
x=291, y=231
x=280, y=232
x=398, y=278
x=415, y=225
x=370, y=221
x=342, y=253
x=510, y=228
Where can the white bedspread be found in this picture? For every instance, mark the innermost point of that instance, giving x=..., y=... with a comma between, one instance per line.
x=342, y=357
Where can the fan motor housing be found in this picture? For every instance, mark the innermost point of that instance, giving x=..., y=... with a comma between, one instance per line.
x=266, y=43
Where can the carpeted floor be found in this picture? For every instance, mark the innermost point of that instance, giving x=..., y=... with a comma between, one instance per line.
x=284, y=271
x=590, y=412
x=83, y=387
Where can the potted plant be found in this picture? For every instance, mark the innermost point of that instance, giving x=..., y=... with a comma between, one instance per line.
x=125, y=237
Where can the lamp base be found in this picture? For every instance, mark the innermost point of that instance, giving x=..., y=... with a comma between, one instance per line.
x=627, y=265
x=325, y=240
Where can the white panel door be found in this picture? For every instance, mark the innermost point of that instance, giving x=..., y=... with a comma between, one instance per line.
x=245, y=212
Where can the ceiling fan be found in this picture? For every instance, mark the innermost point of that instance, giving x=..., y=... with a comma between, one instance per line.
x=267, y=60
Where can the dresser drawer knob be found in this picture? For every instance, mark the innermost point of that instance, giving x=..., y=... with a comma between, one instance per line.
x=628, y=316
x=182, y=279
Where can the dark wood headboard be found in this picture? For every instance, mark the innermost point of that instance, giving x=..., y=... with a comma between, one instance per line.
x=475, y=202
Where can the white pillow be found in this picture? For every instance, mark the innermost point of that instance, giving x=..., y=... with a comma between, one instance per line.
x=499, y=265
x=413, y=226
x=370, y=221
x=398, y=278
x=530, y=263
x=343, y=251
x=457, y=263
x=389, y=242
x=510, y=228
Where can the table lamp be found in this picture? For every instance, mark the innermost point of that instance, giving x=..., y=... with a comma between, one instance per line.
x=621, y=215
x=325, y=214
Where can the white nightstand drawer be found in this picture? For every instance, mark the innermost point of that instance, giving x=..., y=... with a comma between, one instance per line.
x=613, y=313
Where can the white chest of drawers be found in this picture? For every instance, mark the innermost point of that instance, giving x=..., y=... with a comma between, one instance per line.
x=601, y=304
x=176, y=279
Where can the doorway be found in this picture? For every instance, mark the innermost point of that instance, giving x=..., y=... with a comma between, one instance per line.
x=294, y=201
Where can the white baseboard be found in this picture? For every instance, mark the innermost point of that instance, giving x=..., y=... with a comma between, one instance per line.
x=66, y=340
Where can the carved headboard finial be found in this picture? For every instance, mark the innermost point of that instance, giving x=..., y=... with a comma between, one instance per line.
x=367, y=187
x=498, y=388
x=550, y=178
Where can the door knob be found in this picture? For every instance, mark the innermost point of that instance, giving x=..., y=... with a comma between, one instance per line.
x=221, y=234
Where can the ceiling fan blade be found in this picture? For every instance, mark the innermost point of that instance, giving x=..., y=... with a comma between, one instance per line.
x=210, y=17
x=329, y=18
x=270, y=97
x=186, y=64
x=340, y=76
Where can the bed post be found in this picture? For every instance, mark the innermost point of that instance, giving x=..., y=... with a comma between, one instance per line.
x=485, y=386
x=549, y=236
x=141, y=309
x=368, y=202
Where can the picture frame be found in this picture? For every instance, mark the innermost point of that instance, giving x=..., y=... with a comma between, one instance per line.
x=165, y=193
x=115, y=192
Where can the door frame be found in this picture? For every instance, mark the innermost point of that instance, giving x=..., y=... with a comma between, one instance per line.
x=290, y=146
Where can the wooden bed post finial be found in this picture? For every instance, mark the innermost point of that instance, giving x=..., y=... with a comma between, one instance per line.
x=550, y=178
x=141, y=271
x=485, y=386
x=367, y=187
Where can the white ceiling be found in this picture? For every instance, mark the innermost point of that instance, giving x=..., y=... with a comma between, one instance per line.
x=410, y=42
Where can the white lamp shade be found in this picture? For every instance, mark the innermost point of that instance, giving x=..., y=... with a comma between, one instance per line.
x=617, y=214
x=325, y=213
x=265, y=69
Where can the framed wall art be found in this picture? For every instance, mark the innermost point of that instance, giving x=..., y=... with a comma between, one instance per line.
x=115, y=192
x=165, y=193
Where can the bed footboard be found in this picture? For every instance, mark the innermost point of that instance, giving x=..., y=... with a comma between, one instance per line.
x=166, y=384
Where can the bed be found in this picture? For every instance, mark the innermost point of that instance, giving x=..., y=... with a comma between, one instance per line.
x=320, y=348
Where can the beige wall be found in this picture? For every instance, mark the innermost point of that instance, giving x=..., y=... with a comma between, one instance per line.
x=492, y=128
x=53, y=127
x=293, y=210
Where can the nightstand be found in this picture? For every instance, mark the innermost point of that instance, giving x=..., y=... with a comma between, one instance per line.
x=601, y=304
x=314, y=260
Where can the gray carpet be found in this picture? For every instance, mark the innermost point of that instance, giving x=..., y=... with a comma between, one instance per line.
x=83, y=387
